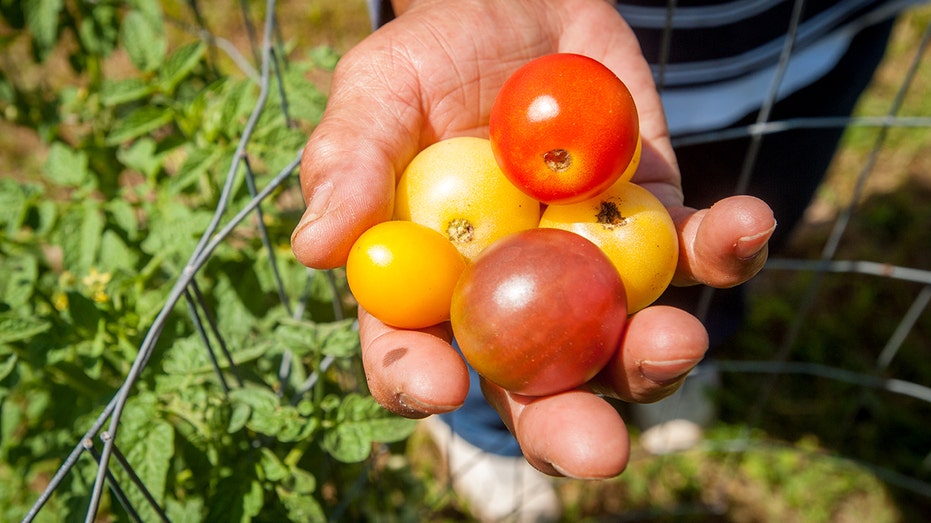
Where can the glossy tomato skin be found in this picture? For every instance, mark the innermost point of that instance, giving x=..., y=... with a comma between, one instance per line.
x=539, y=312
x=456, y=188
x=636, y=232
x=403, y=273
x=564, y=128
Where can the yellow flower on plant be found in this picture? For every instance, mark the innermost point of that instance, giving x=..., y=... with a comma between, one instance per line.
x=96, y=282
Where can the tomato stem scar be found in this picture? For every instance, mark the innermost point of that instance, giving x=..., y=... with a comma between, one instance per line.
x=609, y=215
x=558, y=160
x=460, y=230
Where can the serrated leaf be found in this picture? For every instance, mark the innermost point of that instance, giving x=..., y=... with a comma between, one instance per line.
x=324, y=56
x=198, y=162
x=239, y=416
x=66, y=166
x=179, y=64
x=143, y=37
x=151, y=456
x=301, y=507
x=305, y=101
x=143, y=156
x=303, y=482
x=337, y=338
x=14, y=202
x=19, y=281
x=91, y=232
x=340, y=339
x=360, y=422
x=122, y=216
x=98, y=30
x=253, y=501
x=17, y=328
x=139, y=122
x=272, y=467
x=237, y=101
x=83, y=312
x=115, y=92
x=117, y=254
x=187, y=510
x=42, y=21
x=8, y=361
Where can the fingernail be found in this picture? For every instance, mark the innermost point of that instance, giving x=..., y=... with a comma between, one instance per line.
x=316, y=206
x=748, y=247
x=663, y=372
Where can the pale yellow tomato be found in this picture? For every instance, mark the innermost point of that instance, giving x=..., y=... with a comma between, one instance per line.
x=634, y=229
x=456, y=188
x=631, y=168
x=403, y=273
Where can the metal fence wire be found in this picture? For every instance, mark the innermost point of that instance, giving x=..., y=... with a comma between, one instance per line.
x=813, y=287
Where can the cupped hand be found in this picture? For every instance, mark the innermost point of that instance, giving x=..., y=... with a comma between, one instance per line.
x=433, y=74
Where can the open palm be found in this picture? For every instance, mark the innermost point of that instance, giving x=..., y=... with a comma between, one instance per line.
x=433, y=74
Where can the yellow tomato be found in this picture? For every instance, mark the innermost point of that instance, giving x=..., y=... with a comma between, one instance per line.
x=404, y=273
x=634, y=229
x=631, y=168
x=456, y=188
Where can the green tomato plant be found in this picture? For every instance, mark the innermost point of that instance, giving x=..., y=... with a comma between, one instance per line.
x=279, y=425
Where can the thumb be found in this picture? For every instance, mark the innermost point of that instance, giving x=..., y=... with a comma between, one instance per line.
x=349, y=164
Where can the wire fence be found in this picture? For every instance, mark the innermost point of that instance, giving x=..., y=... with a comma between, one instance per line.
x=116, y=474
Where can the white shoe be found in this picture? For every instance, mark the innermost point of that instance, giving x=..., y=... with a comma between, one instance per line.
x=677, y=422
x=496, y=488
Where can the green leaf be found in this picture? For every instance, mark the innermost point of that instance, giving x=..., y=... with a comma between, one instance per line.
x=180, y=64
x=42, y=21
x=122, y=216
x=115, y=92
x=21, y=274
x=15, y=328
x=143, y=37
x=98, y=29
x=305, y=101
x=254, y=501
x=198, y=162
x=16, y=199
x=360, y=422
x=267, y=415
x=8, y=361
x=142, y=155
x=301, y=507
x=272, y=467
x=117, y=254
x=66, y=166
x=304, y=337
x=148, y=442
x=324, y=57
x=187, y=510
x=139, y=122
x=91, y=234
x=84, y=313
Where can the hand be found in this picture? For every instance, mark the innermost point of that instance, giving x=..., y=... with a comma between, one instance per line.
x=433, y=74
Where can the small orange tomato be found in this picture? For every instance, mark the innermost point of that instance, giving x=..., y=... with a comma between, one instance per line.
x=403, y=273
x=634, y=229
x=455, y=187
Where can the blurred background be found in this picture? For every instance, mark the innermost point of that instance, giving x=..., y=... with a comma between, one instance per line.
x=163, y=357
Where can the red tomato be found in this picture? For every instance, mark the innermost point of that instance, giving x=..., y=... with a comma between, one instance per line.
x=539, y=312
x=564, y=128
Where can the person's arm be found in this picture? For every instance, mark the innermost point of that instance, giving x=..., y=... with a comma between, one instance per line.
x=433, y=73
